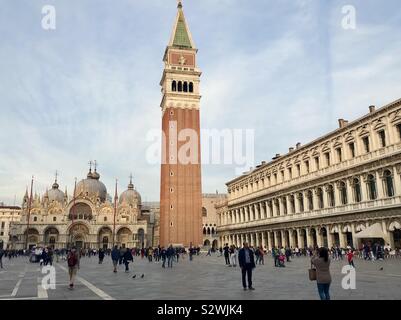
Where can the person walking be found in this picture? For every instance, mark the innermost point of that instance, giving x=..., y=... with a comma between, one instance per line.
x=226, y=250
x=127, y=258
x=261, y=255
x=101, y=256
x=233, y=256
x=321, y=262
x=246, y=262
x=170, y=255
x=115, y=257
x=73, y=265
x=350, y=258
x=163, y=254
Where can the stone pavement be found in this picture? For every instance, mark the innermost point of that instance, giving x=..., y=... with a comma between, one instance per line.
x=205, y=278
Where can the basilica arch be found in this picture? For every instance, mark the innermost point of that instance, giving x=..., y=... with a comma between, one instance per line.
x=105, y=237
x=124, y=237
x=78, y=235
x=51, y=236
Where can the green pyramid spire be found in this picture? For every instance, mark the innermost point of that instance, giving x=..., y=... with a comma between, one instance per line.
x=181, y=36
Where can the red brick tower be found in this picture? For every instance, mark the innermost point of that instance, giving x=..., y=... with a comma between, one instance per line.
x=180, y=189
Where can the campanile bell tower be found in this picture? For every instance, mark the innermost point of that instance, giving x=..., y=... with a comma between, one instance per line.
x=180, y=188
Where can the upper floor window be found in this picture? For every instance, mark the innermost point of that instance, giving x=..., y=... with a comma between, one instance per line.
x=185, y=86
x=191, y=87
x=277, y=204
x=371, y=184
x=339, y=155
x=54, y=219
x=301, y=202
x=327, y=156
x=284, y=203
x=309, y=196
x=290, y=173
x=292, y=203
x=299, y=170
x=399, y=130
x=174, y=86
x=2, y=224
x=275, y=178
x=388, y=183
x=35, y=218
x=317, y=163
x=330, y=196
x=357, y=190
x=179, y=86
x=343, y=192
x=382, y=138
x=204, y=212
x=307, y=166
x=320, y=198
x=352, y=149
x=282, y=175
x=366, y=144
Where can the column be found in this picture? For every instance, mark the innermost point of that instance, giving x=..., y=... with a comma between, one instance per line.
x=324, y=196
x=379, y=186
x=354, y=239
x=274, y=208
x=263, y=240
x=364, y=194
x=296, y=202
x=337, y=197
x=267, y=210
x=242, y=210
x=386, y=233
x=291, y=238
x=269, y=240
x=397, y=182
x=237, y=215
x=342, y=236
x=319, y=236
x=308, y=237
x=257, y=242
x=277, y=242
x=261, y=210
x=287, y=200
x=329, y=237
x=301, y=243
x=257, y=210
x=350, y=198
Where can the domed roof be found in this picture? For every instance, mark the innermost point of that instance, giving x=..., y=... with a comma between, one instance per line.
x=130, y=195
x=54, y=194
x=92, y=186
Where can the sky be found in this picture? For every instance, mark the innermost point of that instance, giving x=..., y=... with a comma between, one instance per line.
x=89, y=90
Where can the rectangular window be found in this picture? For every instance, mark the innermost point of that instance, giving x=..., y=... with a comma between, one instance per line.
x=54, y=218
x=339, y=155
x=2, y=224
x=352, y=149
x=327, y=155
x=275, y=178
x=307, y=166
x=399, y=130
x=299, y=170
x=282, y=175
x=2, y=233
x=366, y=144
x=317, y=163
x=290, y=172
x=382, y=138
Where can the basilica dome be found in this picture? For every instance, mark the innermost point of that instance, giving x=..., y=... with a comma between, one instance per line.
x=92, y=187
x=130, y=196
x=54, y=194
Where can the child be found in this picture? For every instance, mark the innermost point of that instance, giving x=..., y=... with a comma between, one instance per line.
x=350, y=257
x=281, y=260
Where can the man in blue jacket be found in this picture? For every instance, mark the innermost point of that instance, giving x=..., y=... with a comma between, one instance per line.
x=115, y=256
x=247, y=264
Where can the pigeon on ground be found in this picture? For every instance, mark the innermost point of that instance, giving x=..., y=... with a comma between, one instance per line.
x=134, y=276
x=381, y=269
x=142, y=276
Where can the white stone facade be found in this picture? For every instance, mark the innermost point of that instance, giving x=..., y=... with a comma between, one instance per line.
x=325, y=192
x=8, y=215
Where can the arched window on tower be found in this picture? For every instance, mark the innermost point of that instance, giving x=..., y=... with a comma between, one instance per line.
x=179, y=86
x=389, y=185
x=174, y=86
x=191, y=87
x=204, y=230
x=185, y=86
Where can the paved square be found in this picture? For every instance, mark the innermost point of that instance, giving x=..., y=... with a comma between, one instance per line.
x=203, y=278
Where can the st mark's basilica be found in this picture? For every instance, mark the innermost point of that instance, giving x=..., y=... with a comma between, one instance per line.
x=90, y=219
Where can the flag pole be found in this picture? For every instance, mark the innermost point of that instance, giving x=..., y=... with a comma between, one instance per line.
x=29, y=216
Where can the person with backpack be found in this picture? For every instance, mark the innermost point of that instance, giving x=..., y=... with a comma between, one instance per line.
x=115, y=256
x=127, y=258
x=73, y=265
